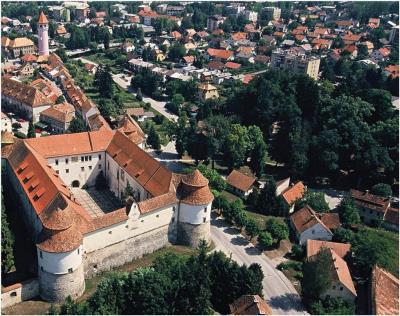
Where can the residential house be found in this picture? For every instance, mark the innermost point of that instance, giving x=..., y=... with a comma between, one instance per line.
x=5, y=123
x=369, y=45
x=373, y=23
x=220, y=54
x=128, y=46
x=58, y=117
x=250, y=15
x=350, y=38
x=383, y=293
x=250, y=305
x=272, y=13
x=188, y=60
x=342, y=285
x=381, y=54
x=351, y=50
x=293, y=193
x=213, y=22
x=239, y=183
x=307, y=224
x=392, y=71
x=314, y=246
x=26, y=70
x=376, y=209
x=282, y=185
x=61, y=31
x=207, y=91
x=232, y=65
x=138, y=113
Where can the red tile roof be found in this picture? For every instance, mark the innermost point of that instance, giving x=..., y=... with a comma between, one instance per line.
x=314, y=246
x=368, y=200
x=194, y=189
x=294, y=193
x=220, y=53
x=240, y=181
x=385, y=292
x=43, y=19
x=250, y=305
x=232, y=65
x=306, y=218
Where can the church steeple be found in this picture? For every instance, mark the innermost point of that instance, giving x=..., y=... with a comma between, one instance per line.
x=43, y=33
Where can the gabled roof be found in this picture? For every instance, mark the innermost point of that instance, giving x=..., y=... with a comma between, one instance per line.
x=240, y=181
x=306, y=218
x=220, y=53
x=365, y=199
x=314, y=246
x=294, y=193
x=385, y=292
x=132, y=129
x=24, y=93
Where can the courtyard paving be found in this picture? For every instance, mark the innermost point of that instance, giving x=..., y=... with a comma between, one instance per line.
x=96, y=202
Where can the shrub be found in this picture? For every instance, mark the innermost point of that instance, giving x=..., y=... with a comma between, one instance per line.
x=252, y=227
x=277, y=229
x=265, y=240
x=298, y=252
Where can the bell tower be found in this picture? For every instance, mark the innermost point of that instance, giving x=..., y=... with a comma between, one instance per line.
x=43, y=33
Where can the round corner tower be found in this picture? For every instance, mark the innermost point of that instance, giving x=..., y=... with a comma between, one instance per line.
x=194, y=209
x=43, y=34
x=59, y=251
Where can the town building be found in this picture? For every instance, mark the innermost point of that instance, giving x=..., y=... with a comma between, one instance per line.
x=239, y=183
x=207, y=91
x=250, y=15
x=304, y=64
x=307, y=224
x=23, y=99
x=17, y=47
x=342, y=285
x=383, y=293
x=75, y=239
x=58, y=117
x=272, y=13
x=213, y=22
x=250, y=305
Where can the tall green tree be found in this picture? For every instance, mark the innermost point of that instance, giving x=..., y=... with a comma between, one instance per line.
x=316, y=200
x=31, y=131
x=103, y=81
x=348, y=212
x=7, y=241
x=382, y=189
x=153, y=139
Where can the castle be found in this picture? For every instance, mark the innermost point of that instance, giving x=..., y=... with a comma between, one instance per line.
x=72, y=242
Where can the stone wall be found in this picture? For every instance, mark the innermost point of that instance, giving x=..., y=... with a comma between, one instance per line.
x=127, y=250
x=19, y=292
x=57, y=287
x=190, y=235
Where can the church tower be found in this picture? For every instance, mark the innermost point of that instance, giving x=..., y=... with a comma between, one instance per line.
x=43, y=33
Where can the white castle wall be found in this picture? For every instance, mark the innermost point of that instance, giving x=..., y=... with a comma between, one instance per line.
x=194, y=214
x=70, y=167
x=59, y=263
x=19, y=292
x=132, y=227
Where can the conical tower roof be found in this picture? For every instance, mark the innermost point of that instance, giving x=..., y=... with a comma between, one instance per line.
x=195, y=179
x=42, y=18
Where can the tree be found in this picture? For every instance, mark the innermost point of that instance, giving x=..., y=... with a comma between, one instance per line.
x=153, y=139
x=333, y=306
x=176, y=52
x=236, y=146
x=77, y=125
x=62, y=54
x=278, y=230
x=316, y=278
x=139, y=95
x=281, y=206
x=265, y=240
x=7, y=241
x=382, y=189
x=31, y=131
x=266, y=200
x=348, y=212
x=181, y=139
x=343, y=235
x=252, y=227
x=258, y=150
x=60, y=99
x=316, y=200
x=216, y=182
x=103, y=81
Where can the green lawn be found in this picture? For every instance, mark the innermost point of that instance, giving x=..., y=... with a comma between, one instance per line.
x=261, y=218
x=102, y=59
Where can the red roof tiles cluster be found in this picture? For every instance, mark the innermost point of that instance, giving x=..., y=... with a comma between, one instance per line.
x=219, y=53
x=250, y=305
x=306, y=218
x=240, y=181
x=384, y=292
x=294, y=193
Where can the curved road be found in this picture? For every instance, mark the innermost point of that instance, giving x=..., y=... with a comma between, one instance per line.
x=278, y=291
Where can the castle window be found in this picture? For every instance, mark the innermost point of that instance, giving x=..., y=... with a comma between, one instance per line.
x=99, y=166
x=122, y=175
x=205, y=210
x=99, y=157
x=57, y=171
x=173, y=209
x=158, y=215
x=70, y=270
x=41, y=268
x=66, y=170
x=90, y=167
x=66, y=161
x=173, y=220
x=78, y=251
x=341, y=288
x=74, y=159
x=56, y=162
x=110, y=232
x=127, y=226
x=82, y=168
x=204, y=219
x=313, y=231
x=334, y=287
x=41, y=254
x=82, y=159
x=142, y=220
x=90, y=158
x=86, y=158
x=13, y=294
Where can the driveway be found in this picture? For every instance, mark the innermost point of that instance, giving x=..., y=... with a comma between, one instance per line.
x=278, y=291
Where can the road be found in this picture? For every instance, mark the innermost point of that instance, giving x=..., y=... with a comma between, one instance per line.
x=278, y=291
x=159, y=106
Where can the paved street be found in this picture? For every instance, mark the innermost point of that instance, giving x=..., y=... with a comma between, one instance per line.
x=278, y=291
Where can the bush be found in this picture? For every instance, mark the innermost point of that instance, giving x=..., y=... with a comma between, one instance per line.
x=291, y=265
x=298, y=252
x=16, y=125
x=252, y=227
x=265, y=240
x=20, y=135
x=277, y=229
x=382, y=189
